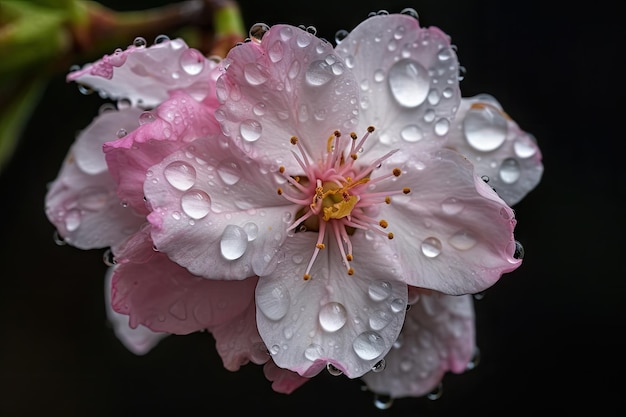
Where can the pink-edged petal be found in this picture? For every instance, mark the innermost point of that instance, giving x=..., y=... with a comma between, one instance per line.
x=347, y=321
x=216, y=214
x=146, y=75
x=409, y=82
x=177, y=121
x=237, y=340
x=163, y=296
x=284, y=381
x=290, y=84
x=499, y=149
x=82, y=202
x=139, y=340
x=437, y=337
x=452, y=232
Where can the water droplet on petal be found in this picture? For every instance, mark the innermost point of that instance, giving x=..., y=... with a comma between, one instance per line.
x=509, y=171
x=180, y=175
x=234, y=242
x=411, y=133
x=318, y=73
x=462, y=240
x=383, y=402
x=409, y=83
x=485, y=128
x=431, y=247
x=379, y=366
x=313, y=352
x=379, y=290
x=140, y=42
x=332, y=316
x=451, y=206
x=340, y=35
x=379, y=320
x=255, y=74
x=196, y=204
x=441, y=127
x=192, y=61
x=72, y=220
x=252, y=230
x=229, y=172
x=333, y=370
x=250, y=130
x=369, y=345
x=146, y=117
x=257, y=31
x=524, y=148
x=273, y=301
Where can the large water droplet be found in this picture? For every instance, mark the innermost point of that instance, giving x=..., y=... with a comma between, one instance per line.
x=379, y=290
x=409, y=83
x=485, y=128
x=180, y=175
x=411, y=133
x=257, y=31
x=462, y=240
x=195, y=203
x=313, y=352
x=229, y=172
x=368, y=345
x=451, y=206
x=255, y=74
x=509, y=171
x=250, y=130
x=273, y=301
x=318, y=73
x=431, y=247
x=192, y=61
x=234, y=242
x=332, y=316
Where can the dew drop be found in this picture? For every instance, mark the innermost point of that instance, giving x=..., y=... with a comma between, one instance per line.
x=379, y=290
x=161, y=38
x=195, y=203
x=108, y=258
x=121, y=133
x=234, y=242
x=473, y=363
x=409, y=11
x=313, y=352
x=255, y=74
x=146, y=117
x=519, y=250
x=409, y=83
x=252, y=230
x=383, y=402
x=58, y=239
x=257, y=31
x=72, y=220
x=318, y=73
x=379, y=366
x=485, y=128
x=332, y=316
x=229, y=172
x=368, y=345
x=524, y=148
x=340, y=35
x=140, y=42
x=441, y=127
x=509, y=171
x=273, y=301
x=431, y=247
x=250, y=130
x=180, y=175
x=333, y=370
x=192, y=61
x=451, y=206
x=379, y=320
x=276, y=51
x=398, y=305
x=436, y=393
x=411, y=133
x=462, y=240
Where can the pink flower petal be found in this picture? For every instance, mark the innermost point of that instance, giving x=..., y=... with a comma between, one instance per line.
x=81, y=202
x=161, y=295
x=146, y=75
x=409, y=82
x=215, y=213
x=177, y=121
x=283, y=380
x=499, y=149
x=438, y=336
x=237, y=340
x=348, y=321
x=290, y=84
x=452, y=233
x=139, y=340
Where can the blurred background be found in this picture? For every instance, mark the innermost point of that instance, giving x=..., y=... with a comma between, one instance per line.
x=551, y=334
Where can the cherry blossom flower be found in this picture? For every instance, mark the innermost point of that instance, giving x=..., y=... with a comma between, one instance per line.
x=312, y=207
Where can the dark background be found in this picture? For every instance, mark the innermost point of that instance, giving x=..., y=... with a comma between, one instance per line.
x=551, y=333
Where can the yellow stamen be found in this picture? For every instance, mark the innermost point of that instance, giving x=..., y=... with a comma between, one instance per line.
x=383, y=223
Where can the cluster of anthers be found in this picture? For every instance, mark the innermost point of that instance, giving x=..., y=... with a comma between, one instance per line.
x=335, y=195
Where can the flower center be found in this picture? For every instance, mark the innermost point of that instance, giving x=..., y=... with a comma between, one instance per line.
x=336, y=195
